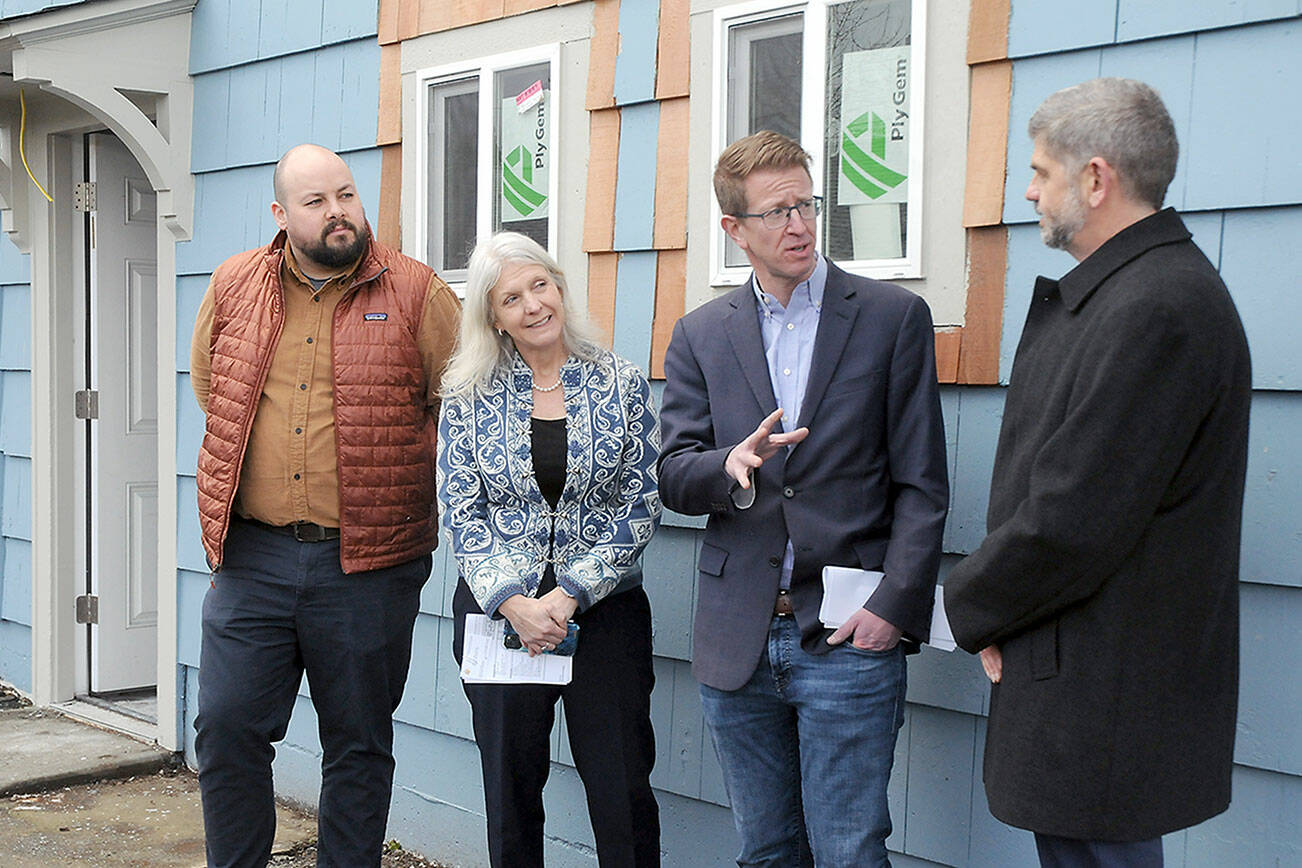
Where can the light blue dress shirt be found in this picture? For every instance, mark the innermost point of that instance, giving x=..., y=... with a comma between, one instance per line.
x=788, y=334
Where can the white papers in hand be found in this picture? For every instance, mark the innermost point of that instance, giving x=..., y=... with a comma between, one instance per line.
x=484, y=660
x=846, y=589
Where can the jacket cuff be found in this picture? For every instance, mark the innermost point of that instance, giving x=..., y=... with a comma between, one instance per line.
x=499, y=596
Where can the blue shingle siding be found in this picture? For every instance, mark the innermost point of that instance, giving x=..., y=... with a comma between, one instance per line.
x=15, y=8
x=226, y=33
x=16, y=515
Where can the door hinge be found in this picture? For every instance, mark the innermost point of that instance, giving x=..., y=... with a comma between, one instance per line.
x=87, y=404
x=83, y=196
x=88, y=609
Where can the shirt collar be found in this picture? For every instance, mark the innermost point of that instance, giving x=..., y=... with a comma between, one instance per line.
x=337, y=281
x=814, y=285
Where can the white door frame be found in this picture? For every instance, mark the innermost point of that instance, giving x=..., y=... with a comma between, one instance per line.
x=84, y=54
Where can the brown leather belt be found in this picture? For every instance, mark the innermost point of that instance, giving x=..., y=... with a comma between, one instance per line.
x=303, y=531
x=782, y=605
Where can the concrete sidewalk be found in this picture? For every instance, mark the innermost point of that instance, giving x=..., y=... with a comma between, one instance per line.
x=42, y=750
x=73, y=794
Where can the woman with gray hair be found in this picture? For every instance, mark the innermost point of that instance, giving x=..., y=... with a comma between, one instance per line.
x=546, y=475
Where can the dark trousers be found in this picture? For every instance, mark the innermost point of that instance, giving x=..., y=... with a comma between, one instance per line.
x=278, y=608
x=608, y=719
x=1058, y=852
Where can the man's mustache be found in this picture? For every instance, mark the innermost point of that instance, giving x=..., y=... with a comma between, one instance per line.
x=335, y=224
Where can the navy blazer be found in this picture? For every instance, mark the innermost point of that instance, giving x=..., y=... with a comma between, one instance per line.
x=867, y=488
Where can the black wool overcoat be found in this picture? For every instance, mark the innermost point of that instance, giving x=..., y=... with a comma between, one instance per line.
x=1109, y=577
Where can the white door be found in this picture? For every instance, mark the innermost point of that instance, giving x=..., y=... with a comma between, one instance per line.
x=123, y=496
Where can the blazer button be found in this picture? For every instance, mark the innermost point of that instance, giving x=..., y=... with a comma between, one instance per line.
x=775, y=562
x=788, y=491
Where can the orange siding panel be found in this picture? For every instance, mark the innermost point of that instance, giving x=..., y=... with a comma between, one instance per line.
x=603, y=50
x=389, y=129
x=987, y=31
x=388, y=22
x=671, y=294
x=388, y=224
x=603, y=172
x=987, y=143
x=602, y=271
x=671, y=176
x=987, y=256
x=673, y=56
x=516, y=7
x=408, y=18
x=947, y=350
x=437, y=15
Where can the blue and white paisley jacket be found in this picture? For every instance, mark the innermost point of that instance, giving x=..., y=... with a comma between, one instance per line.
x=498, y=519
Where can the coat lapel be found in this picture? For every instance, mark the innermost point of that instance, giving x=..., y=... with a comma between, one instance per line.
x=741, y=324
x=834, y=325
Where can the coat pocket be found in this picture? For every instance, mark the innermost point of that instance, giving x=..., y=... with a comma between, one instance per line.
x=711, y=560
x=1044, y=651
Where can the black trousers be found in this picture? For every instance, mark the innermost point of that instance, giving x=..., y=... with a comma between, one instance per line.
x=608, y=720
x=1058, y=852
x=276, y=609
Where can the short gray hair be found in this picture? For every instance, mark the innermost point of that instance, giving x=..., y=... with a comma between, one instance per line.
x=482, y=355
x=1119, y=119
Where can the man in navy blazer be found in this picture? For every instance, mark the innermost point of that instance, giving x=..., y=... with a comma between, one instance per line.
x=803, y=721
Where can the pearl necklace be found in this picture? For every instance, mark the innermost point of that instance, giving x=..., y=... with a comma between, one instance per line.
x=552, y=388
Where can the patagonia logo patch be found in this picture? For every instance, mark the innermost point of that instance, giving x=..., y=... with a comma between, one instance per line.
x=373, y=317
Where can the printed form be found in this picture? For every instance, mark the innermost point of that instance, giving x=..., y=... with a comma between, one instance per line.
x=484, y=660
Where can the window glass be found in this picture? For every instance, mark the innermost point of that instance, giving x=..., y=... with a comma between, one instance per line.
x=454, y=143
x=522, y=150
x=488, y=156
x=764, y=60
x=867, y=131
x=859, y=112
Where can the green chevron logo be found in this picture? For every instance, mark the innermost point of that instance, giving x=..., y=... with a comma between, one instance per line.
x=866, y=170
x=517, y=182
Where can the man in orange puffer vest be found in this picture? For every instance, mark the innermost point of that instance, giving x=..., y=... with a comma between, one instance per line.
x=317, y=361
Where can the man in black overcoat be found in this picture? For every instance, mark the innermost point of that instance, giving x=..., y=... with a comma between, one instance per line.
x=1105, y=600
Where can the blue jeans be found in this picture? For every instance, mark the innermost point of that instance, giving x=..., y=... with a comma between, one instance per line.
x=277, y=608
x=806, y=748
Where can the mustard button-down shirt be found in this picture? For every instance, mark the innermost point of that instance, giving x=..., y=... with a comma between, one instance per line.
x=290, y=470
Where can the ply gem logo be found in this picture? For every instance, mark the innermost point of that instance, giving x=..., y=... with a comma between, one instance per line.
x=517, y=182
x=866, y=169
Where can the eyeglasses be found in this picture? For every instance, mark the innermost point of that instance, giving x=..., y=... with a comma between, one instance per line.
x=778, y=218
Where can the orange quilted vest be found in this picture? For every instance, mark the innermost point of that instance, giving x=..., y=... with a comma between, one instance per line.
x=384, y=437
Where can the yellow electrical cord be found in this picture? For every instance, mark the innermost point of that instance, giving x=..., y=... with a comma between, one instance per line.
x=22, y=152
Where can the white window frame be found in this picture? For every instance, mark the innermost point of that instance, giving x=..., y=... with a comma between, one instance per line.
x=485, y=69
x=813, y=123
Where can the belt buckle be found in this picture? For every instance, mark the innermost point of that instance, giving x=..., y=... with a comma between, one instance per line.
x=307, y=532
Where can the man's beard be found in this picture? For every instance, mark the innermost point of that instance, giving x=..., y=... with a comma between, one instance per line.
x=1059, y=230
x=337, y=256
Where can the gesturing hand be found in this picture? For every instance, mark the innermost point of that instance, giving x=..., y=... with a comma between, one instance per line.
x=752, y=452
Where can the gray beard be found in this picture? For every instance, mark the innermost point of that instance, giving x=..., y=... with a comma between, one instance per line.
x=1060, y=233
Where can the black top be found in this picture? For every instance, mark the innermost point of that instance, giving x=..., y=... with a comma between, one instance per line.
x=550, y=451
